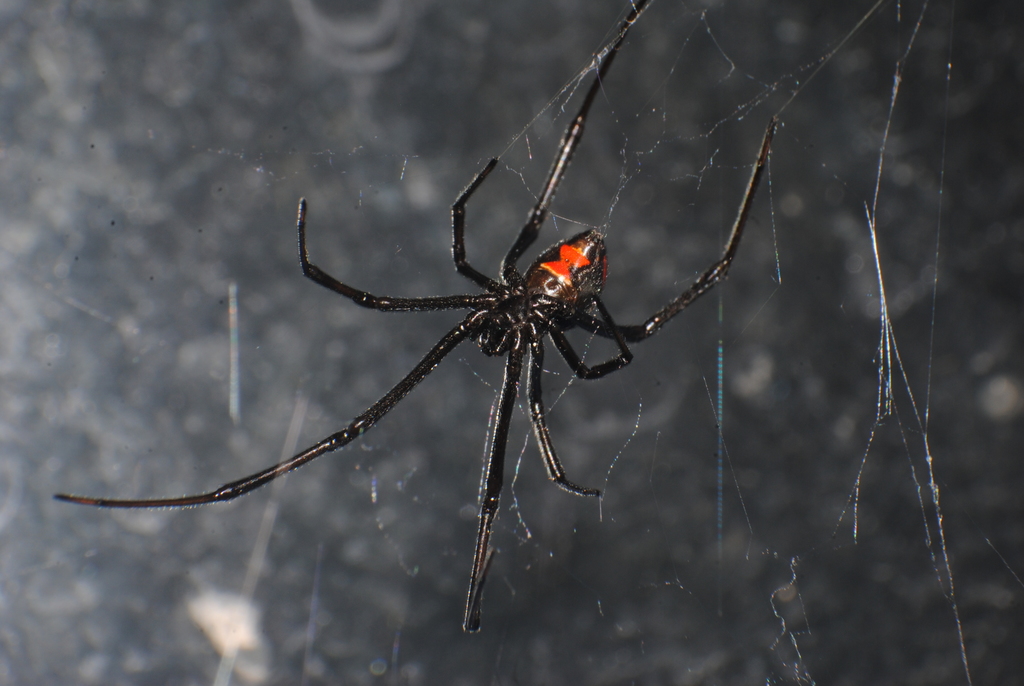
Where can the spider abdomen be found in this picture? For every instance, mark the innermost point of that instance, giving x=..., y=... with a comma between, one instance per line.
x=571, y=272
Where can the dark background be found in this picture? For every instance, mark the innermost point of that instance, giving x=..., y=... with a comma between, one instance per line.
x=153, y=153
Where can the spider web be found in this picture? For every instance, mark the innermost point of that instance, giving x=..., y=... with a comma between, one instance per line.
x=808, y=476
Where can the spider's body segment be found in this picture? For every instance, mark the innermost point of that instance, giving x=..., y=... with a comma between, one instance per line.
x=571, y=272
x=512, y=317
x=565, y=278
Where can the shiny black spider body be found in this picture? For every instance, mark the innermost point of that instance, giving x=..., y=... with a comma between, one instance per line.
x=512, y=316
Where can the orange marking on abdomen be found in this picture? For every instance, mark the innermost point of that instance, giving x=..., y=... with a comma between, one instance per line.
x=569, y=258
x=573, y=257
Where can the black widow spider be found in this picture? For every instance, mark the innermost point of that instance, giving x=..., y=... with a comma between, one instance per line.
x=510, y=318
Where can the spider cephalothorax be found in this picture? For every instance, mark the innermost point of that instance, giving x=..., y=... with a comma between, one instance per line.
x=560, y=290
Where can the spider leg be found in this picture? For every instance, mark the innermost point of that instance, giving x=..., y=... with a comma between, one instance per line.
x=712, y=275
x=570, y=141
x=358, y=427
x=540, y=427
x=375, y=302
x=490, y=488
x=459, y=228
x=624, y=357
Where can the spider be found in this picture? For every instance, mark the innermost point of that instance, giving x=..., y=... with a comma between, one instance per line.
x=559, y=291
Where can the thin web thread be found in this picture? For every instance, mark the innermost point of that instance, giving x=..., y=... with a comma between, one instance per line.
x=889, y=357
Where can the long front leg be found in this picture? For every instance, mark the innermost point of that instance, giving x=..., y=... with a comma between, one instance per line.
x=632, y=333
x=358, y=427
x=718, y=270
x=570, y=141
x=490, y=488
x=375, y=302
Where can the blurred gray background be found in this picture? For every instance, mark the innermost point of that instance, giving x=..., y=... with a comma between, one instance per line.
x=152, y=155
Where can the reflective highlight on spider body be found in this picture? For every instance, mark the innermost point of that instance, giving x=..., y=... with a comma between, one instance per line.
x=511, y=317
